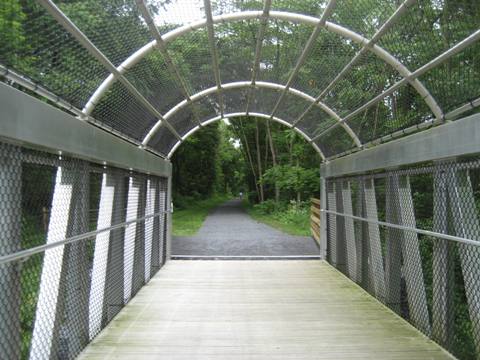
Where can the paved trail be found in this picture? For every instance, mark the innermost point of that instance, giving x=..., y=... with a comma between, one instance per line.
x=229, y=230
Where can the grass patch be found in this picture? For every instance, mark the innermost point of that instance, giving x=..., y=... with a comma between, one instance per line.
x=289, y=218
x=188, y=219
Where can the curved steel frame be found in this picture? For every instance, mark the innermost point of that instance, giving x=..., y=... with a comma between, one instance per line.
x=254, y=114
x=287, y=16
x=248, y=84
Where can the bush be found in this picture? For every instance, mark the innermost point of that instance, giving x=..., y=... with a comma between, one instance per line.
x=266, y=207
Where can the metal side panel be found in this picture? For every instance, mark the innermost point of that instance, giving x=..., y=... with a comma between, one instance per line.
x=374, y=244
x=412, y=261
x=30, y=122
x=100, y=256
x=466, y=224
x=47, y=311
x=458, y=138
x=442, y=266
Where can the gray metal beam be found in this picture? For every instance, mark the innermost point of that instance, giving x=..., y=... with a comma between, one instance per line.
x=30, y=122
x=458, y=138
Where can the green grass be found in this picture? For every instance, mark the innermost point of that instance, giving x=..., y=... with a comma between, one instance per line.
x=290, y=221
x=187, y=221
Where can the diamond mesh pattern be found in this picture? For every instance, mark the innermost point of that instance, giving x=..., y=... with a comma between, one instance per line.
x=232, y=45
x=101, y=20
x=282, y=45
x=315, y=121
x=291, y=107
x=53, y=302
x=430, y=281
x=191, y=54
x=155, y=82
x=263, y=100
x=120, y=110
x=369, y=77
x=43, y=51
x=400, y=110
x=335, y=141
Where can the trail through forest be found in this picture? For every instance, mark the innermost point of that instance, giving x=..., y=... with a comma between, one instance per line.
x=229, y=230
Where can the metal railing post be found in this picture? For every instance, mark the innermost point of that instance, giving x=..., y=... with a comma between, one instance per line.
x=323, y=219
x=129, y=239
x=349, y=230
x=442, y=265
x=114, y=287
x=100, y=256
x=48, y=311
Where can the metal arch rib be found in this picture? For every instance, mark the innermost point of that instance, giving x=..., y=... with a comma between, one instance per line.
x=258, y=47
x=246, y=84
x=160, y=44
x=260, y=115
x=286, y=16
x=380, y=32
x=213, y=51
x=423, y=69
x=69, y=26
x=306, y=51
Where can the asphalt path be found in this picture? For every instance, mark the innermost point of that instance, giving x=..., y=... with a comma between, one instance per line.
x=229, y=231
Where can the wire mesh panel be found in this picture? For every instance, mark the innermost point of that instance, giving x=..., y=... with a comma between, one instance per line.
x=232, y=44
x=89, y=235
x=34, y=45
x=282, y=45
x=415, y=245
x=101, y=21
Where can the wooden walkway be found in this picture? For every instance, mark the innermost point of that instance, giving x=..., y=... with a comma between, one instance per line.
x=257, y=310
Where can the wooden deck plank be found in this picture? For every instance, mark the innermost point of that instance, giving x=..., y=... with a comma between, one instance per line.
x=257, y=310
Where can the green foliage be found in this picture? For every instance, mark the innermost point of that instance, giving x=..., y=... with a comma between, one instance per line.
x=292, y=179
x=289, y=217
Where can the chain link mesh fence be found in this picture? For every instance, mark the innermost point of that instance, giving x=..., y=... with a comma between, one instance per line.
x=78, y=242
x=428, y=278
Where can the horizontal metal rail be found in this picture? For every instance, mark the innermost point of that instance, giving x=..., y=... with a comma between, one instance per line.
x=38, y=249
x=407, y=228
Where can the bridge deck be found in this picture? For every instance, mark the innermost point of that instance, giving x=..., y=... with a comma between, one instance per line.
x=257, y=310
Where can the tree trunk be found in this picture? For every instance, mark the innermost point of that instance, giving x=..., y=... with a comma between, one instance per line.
x=249, y=157
x=299, y=194
x=259, y=159
x=274, y=159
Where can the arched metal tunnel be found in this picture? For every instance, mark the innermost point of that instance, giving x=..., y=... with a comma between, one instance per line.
x=387, y=92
